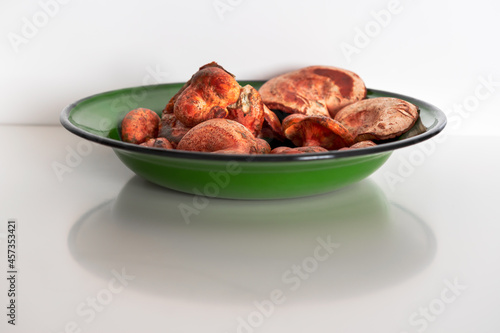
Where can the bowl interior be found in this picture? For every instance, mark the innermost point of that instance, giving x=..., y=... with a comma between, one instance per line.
x=97, y=118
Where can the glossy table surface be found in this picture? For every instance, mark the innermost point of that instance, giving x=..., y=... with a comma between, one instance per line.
x=413, y=248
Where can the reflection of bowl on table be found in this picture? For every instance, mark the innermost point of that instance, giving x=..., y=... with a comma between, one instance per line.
x=242, y=250
x=97, y=118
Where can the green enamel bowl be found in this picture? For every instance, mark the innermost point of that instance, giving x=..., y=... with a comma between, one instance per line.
x=97, y=118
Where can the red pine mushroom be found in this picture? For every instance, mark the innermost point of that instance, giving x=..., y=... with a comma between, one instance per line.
x=172, y=129
x=314, y=90
x=248, y=110
x=140, y=125
x=361, y=144
x=223, y=136
x=271, y=128
x=158, y=143
x=378, y=118
x=298, y=150
x=205, y=96
x=306, y=131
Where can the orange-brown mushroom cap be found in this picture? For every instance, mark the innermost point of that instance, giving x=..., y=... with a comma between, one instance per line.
x=378, y=118
x=316, y=131
x=361, y=144
x=222, y=136
x=169, y=108
x=298, y=150
x=158, y=143
x=206, y=95
x=314, y=90
x=140, y=125
x=172, y=129
x=271, y=128
x=248, y=109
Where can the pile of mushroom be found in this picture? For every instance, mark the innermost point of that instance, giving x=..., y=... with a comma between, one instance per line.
x=322, y=109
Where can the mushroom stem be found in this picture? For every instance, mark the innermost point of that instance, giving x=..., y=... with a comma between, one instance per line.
x=311, y=143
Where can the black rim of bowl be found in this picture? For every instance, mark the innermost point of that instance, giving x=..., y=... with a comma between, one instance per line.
x=440, y=123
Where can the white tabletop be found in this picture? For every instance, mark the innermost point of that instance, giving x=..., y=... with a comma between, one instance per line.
x=413, y=248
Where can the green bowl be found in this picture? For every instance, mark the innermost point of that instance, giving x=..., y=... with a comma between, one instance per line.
x=97, y=118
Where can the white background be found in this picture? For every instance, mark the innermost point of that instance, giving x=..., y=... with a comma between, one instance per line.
x=76, y=229
x=431, y=50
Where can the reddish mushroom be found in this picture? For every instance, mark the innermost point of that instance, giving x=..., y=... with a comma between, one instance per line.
x=298, y=150
x=314, y=90
x=248, y=110
x=271, y=128
x=379, y=118
x=205, y=96
x=223, y=136
x=140, y=125
x=361, y=144
x=172, y=129
x=157, y=143
x=306, y=131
